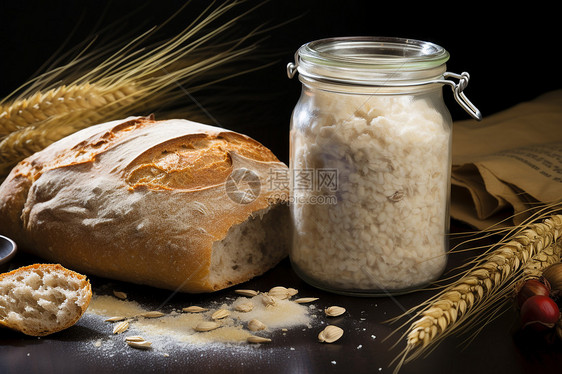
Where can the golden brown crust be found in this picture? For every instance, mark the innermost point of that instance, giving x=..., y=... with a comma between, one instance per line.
x=84, y=284
x=193, y=161
x=136, y=200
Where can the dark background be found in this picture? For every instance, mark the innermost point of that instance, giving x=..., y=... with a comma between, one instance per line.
x=510, y=52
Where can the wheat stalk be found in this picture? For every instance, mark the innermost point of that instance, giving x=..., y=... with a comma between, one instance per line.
x=47, y=117
x=486, y=285
x=61, y=100
x=131, y=80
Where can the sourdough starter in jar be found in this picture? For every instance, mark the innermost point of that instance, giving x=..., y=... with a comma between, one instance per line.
x=370, y=166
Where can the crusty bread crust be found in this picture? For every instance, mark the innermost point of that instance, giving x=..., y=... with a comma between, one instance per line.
x=137, y=200
x=84, y=285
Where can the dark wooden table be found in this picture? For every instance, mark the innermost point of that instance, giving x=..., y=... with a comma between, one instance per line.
x=499, y=348
x=484, y=41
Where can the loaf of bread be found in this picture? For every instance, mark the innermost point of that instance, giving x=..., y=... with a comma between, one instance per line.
x=172, y=204
x=42, y=299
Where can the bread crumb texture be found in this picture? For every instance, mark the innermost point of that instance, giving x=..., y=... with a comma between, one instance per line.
x=42, y=299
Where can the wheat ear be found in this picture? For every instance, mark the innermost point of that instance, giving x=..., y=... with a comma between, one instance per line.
x=47, y=117
x=482, y=286
x=131, y=80
x=54, y=102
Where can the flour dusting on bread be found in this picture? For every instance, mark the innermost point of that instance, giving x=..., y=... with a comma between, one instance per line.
x=160, y=203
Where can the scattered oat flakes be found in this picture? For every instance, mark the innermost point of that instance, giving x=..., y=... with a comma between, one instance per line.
x=141, y=345
x=256, y=325
x=134, y=339
x=120, y=295
x=279, y=292
x=245, y=307
x=268, y=300
x=194, y=309
x=304, y=300
x=220, y=314
x=206, y=326
x=249, y=293
x=257, y=339
x=121, y=327
x=334, y=311
x=152, y=314
x=330, y=334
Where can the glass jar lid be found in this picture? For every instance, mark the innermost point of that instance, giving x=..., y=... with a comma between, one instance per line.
x=371, y=60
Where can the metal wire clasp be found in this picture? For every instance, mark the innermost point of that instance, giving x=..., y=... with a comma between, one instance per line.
x=458, y=93
x=292, y=67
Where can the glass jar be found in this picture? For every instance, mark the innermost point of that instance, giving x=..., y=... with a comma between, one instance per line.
x=370, y=161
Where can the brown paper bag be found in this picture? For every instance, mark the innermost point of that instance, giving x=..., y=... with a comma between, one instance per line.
x=508, y=163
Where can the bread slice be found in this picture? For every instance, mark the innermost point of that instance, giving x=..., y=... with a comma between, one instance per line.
x=172, y=204
x=42, y=299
